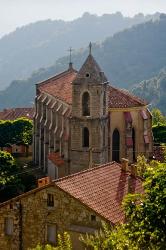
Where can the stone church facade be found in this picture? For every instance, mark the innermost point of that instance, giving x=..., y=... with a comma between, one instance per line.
x=82, y=121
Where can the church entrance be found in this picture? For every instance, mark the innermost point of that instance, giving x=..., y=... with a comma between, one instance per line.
x=115, y=145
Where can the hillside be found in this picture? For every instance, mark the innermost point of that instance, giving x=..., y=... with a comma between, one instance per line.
x=127, y=58
x=153, y=90
x=41, y=44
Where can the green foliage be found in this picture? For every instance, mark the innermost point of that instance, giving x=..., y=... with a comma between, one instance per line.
x=18, y=131
x=146, y=214
x=142, y=165
x=159, y=133
x=8, y=169
x=64, y=243
x=157, y=117
x=109, y=238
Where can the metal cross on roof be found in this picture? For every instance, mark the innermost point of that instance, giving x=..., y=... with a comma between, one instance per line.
x=90, y=48
x=70, y=53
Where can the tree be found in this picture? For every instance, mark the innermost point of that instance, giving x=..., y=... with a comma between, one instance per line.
x=146, y=214
x=22, y=131
x=18, y=131
x=8, y=168
x=5, y=133
x=158, y=117
x=10, y=183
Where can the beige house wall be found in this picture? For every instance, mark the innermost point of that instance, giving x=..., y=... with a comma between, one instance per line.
x=117, y=121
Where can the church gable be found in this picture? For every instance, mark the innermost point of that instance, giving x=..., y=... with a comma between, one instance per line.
x=90, y=72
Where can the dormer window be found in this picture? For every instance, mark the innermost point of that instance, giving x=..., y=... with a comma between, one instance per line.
x=86, y=104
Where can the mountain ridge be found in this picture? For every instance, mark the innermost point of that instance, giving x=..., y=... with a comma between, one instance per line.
x=40, y=44
x=127, y=58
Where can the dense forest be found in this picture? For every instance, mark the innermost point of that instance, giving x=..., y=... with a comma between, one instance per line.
x=40, y=44
x=127, y=58
x=153, y=90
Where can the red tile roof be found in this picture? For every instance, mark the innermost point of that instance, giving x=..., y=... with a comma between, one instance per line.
x=119, y=98
x=102, y=189
x=14, y=113
x=60, y=85
x=56, y=158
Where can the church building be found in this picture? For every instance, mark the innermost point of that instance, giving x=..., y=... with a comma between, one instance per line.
x=82, y=121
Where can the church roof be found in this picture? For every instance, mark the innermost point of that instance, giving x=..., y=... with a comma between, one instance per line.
x=56, y=158
x=60, y=86
x=102, y=189
x=14, y=113
x=119, y=98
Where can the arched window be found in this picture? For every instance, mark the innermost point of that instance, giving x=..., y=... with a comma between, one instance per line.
x=85, y=138
x=115, y=145
x=133, y=138
x=86, y=104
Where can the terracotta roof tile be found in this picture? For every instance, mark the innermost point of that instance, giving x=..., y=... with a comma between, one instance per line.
x=14, y=113
x=56, y=158
x=60, y=86
x=102, y=189
x=119, y=98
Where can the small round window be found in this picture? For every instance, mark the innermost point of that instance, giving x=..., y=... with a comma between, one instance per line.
x=87, y=75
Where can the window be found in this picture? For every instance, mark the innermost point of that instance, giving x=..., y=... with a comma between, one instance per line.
x=116, y=145
x=93, y=217
x=86, y=104
x=50, y=200
x=8, y=226
x=85, y=137
x=51, y=233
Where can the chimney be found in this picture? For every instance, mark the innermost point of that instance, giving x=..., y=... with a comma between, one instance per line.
x=44, y=181
x=125, y=163
x=133, y=170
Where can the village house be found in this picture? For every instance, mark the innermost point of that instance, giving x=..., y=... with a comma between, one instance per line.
x=76, y=204
x=81, y=120
x=13, y=114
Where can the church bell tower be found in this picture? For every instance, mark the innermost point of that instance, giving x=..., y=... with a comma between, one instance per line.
x=89, y=119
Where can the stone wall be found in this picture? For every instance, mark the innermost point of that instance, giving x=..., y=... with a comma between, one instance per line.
x=32, y=215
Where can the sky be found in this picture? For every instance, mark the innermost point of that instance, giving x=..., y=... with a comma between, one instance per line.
x=16, y=13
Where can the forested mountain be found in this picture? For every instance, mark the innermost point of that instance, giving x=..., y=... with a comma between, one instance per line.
x=153, y=90
x=127, y=58
x=41, y=44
